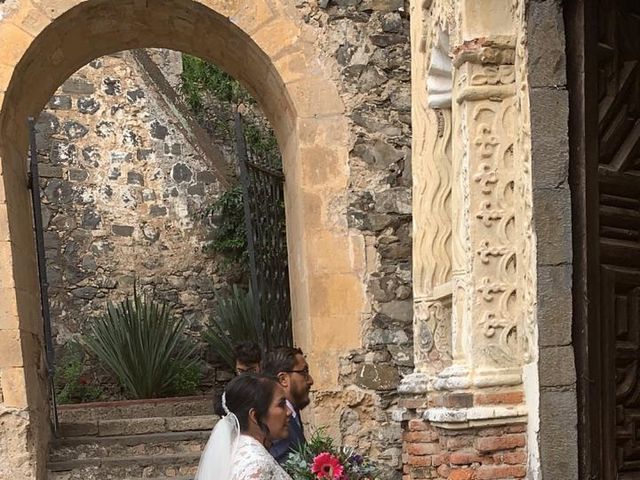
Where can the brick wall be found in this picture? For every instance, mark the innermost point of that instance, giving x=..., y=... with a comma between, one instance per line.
x=458, y=450
x=469, y=453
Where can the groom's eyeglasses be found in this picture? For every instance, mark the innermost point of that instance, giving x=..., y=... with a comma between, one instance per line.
x=304, y=372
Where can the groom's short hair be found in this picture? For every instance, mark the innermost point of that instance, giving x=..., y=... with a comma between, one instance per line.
x=280, y=359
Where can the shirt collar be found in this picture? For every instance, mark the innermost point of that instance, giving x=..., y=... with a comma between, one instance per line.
x=294, y=414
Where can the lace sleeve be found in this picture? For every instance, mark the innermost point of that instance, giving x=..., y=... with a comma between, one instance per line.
x=260, y=471
x=253, y=462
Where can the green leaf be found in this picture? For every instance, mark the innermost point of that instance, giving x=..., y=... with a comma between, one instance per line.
x=235, y=320
x=143, y=344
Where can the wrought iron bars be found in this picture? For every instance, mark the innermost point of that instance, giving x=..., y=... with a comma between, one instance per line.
x=263, y=195
x=34, y=185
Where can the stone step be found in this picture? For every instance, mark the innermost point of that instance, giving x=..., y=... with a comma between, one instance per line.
x=160, y=407
x=135, y=426
x=125, y=468
x=154, y=444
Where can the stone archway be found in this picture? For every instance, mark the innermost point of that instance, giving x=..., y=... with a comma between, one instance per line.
x=259, y=43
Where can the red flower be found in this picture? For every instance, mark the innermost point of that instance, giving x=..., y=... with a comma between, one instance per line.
x=326, y=466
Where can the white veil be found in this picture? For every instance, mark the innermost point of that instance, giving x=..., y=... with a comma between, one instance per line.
x=216, y=459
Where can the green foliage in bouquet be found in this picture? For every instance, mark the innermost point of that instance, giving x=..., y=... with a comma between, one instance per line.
x=321, y=459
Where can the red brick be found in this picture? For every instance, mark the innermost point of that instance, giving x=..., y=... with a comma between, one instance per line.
x=513, y=458
x=500, y=398
x=423, y=436
x=464, y=457
x=453, y=400
x=422, y=461
x=440, y=459
x=459, y=441
x=517, y=428
x=462, y=474
x=492, y=472
x=420, y=473
x=416, y=425
x=503, y=442
x=443, y=471
x=422, y=448
x=492, y=432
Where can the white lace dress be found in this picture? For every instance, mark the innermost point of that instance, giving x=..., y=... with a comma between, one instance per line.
x=251, y=461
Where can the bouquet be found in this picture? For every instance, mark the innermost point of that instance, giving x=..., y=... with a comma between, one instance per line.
x=321, y=459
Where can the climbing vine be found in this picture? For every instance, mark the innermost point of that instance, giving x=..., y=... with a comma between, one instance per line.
x=228, y=232
x=214, y=96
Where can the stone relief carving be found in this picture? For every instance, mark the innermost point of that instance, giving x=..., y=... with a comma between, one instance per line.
x=472, y=208
x=487, y=177
x=486, y=322
x=493, y=147
x=432, y=180
x=432, y=210
x=527, y=265
x=494, y=75
x=433, y=334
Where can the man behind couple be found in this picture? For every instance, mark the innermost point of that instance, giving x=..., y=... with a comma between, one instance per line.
x=289, y=366
x=262, y=415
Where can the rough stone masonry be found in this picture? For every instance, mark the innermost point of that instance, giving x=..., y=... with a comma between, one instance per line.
x=123, y=190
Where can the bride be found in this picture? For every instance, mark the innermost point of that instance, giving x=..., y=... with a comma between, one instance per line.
x=256, y=415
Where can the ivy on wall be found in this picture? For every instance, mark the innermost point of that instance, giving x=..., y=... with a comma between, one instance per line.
x=200, y=79
x=214, y=96
x=228, y=235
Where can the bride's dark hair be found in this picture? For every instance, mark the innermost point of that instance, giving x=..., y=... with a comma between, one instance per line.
x=249, y=391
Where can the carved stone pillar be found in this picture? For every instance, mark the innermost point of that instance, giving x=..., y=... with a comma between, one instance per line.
x=486, y=348
x=432, y=225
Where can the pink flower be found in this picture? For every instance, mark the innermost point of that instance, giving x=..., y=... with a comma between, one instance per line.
x=326, y=466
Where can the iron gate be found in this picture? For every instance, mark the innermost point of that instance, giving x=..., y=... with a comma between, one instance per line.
x=34, y=186
x=262, y=181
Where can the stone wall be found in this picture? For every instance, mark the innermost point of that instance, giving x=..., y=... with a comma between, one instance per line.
x=367, y=44
x=557, y=430
x=123, y=187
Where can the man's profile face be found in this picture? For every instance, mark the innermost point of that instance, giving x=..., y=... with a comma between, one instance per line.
x=300, y=382
x=247, y=367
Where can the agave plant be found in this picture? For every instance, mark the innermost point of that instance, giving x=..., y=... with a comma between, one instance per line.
x=235, y=320
x=143, y=344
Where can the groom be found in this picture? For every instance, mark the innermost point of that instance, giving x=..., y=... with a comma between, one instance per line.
x=289, y=366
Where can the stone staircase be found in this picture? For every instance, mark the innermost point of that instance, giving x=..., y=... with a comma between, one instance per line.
x=153, y=439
